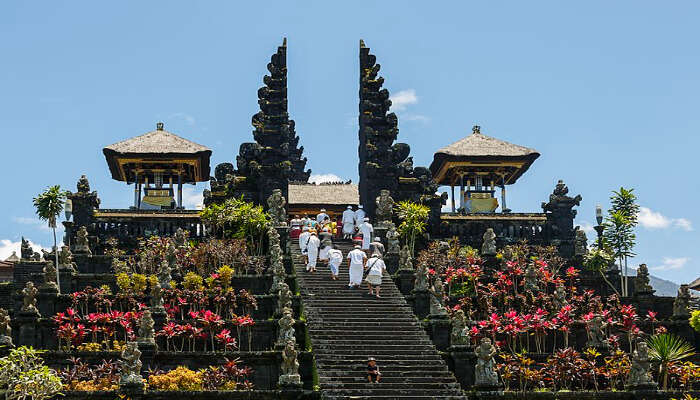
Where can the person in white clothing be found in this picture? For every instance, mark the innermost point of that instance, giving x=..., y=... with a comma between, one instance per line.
x=321, y=216
x=312, y=252
x=376, y=268
x=348, y=223
x=303, y=241
x=360, y=215
x=335, y=258
x=358, y=259
x=367, y=231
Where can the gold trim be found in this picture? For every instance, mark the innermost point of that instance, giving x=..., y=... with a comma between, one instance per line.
x=494, y=217
x=448, y=165
x=145, y=215
x=194, y=162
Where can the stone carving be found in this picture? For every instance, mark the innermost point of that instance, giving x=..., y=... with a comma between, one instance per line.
x=83, y=185
x=50, y=277
x=164, y=275
x=560, y=216
x=29, y=299
x=26, y=250
x=180, y=238
x=405, y=261
x=5, y=328
x=681, y=305
x=286, y=328
x=531, y=279
x=392, y=240
x=131, y=367
x=285, y=298
x=640, y=369
x=559, y=299
x=385, y=208
x=421, y=282
x=290, y=366
x=146, y=328
x=485, y=373
x=278, y=272
x=459, y=324
x=157, y=297
x=82, y=243
x=65, y=258
x=437, y=296
x=641, y=282
x=488, y=248
x=596, y=332
x=580, y=243
x=275, y=207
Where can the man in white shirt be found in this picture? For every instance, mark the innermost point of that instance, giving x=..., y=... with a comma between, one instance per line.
x=360, y=215
x=376, y=268
x=312, y=251
x=367, y=231
x=358, y=259
x=348, y=223
x=303, y=241
x=335, y=258
x=321, y=216
x=377, y=247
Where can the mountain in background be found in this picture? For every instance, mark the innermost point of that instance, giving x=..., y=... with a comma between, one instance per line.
x=662, y=286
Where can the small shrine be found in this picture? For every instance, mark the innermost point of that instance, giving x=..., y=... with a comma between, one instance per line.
x=478, y=164
x=155, y=162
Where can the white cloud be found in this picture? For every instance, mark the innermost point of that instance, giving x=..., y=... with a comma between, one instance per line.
x=671, y=263
x=655, y=220
x=34, y=222
x=415, y=117
x=586, y=226
x=186, y=117
x=403, y=98
x=8, y=246
x=192, y=197
x=321, y=178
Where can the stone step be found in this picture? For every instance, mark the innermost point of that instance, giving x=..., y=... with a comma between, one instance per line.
x=386, y=379
x=375, y=389
x=382, y=341
x=436, y=386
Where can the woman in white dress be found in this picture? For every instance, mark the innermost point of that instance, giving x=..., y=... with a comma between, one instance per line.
x=358, y=259
x=335, y=258
x=312, y=252
x=376, y=268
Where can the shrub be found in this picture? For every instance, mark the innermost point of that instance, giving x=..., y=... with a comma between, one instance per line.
x=24, y=375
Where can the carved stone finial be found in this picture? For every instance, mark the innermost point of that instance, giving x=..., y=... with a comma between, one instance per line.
x=160, y=126
x=681, y=305
x=26, y=250
x=83, y=184
x=476, y=129
x=641, y=282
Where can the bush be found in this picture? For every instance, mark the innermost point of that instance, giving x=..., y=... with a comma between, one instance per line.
x=24, y=375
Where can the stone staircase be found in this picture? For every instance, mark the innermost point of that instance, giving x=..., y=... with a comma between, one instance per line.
x=346, y=326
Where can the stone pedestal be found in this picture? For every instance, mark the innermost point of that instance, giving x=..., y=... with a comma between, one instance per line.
x=404, y=279
x=462, y=362
x=160, y=317
x=46, y=300
x=28, y=325
x=439, y=329
x=421, y=303
x=392, y=262
x=491, y=262
x=283, y=231
x=66, y=273
x=380, y=231
x=290, y=382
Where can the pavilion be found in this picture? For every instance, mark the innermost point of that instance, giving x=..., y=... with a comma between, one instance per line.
x=154, y=162
x=478, y=164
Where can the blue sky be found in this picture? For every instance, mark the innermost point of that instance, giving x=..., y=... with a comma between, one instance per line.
x=606, y=91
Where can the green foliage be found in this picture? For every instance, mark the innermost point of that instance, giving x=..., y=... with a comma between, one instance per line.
x=414, y=219
x=619, y=228
x=238, y=219
x=624, y=202
x=50, y=204
x=598, y=260
x=667, y=348
x=695, y=320
x=24, y=375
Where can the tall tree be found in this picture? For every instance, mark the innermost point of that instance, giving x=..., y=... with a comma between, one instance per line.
x=49, y=206
x=619, y=229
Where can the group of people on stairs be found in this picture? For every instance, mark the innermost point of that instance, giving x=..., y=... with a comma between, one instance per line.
x=318, y=246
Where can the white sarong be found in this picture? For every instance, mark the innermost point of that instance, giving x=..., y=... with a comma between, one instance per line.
x=356, y=271
x=312, y=251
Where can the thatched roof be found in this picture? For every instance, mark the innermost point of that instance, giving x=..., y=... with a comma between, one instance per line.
x=159, y=141
x=695, y=285
x=328, y=194
x=479, y=145
x=13, y=257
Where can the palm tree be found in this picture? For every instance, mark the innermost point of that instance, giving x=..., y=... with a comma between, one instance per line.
x=666, y=349
x=48, y=207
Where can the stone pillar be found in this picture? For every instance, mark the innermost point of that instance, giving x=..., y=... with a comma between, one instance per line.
x=28, y=323
x=462, y=362
x=421, y=303
x=179, y=191
x=404, y=280
x=439, y=327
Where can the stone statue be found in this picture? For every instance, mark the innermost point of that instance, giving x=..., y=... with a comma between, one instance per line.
x=531, y=279
x=26, y=250
x=485, y=373
x=681, y=305
x=275, y=207
x=559, y=299
x=284, y=300
x=596, y=332
x=180, y=238
x=82, y=244
x=385, y=208
x=286, y=328
x=421, y=282
x=157, y=297
x=164, y=275
x=488, y=248
x=640, y=369
x=83, y=185
x=146, y=330
x=405, y=261
x=50, y=277
x=641, y=281
x=65, y=257
x=437, y=295
x=392, y=240
x=459, y=324
x=29, y=299
x=278, y=272
x=580, y=243
x=5, y=328
x=131, y=367
x=290, y=366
